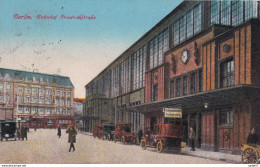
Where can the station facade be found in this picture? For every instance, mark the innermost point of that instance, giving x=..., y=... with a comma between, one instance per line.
x=202, y=58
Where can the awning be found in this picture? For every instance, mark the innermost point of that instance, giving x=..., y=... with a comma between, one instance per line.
x=216, y=98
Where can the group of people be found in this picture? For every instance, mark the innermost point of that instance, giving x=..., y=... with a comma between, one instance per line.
x=22, y=132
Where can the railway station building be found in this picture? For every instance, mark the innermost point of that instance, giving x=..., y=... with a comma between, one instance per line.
x=203, y=59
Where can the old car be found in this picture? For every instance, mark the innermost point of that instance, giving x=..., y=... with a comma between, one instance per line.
x=163, y=136
x=8, y=130
x=98, y=132
x=123, y=133
x=250, y=154
x=109, y=130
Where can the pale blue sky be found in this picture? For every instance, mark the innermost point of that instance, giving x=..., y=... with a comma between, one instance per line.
x=80, y=48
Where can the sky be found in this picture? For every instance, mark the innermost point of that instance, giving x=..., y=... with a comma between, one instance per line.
x=77, y=48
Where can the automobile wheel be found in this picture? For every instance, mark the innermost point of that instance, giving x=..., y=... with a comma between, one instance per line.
x=114, y=138
x=159, y=146
x=109, y=137
x=249, y=156
x=123, y=139
x=143, y=144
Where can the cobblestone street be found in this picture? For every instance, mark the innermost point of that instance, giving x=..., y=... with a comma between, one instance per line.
x=44, y=147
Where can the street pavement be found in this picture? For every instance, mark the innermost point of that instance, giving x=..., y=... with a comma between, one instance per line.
x=44, y=147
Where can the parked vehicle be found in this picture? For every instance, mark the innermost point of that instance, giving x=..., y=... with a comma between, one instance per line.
x=250, y=154
x=8, y=130
x=98, y=132
x=109, y=130
x=123, y=133
x=167, y=136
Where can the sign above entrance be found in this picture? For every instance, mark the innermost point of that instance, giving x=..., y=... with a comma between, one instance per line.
x=172, y=112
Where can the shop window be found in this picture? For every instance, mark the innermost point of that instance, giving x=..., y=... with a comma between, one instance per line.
x=193, y=82
x=155, y=92
x=185, y=85
x=226, y=117
x=227, y=73
x=178, y=87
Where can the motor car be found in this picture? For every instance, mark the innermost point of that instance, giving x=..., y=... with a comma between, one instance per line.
x=98, y=132
x=123, y=133
x=163, y=136
x=109, y=130
x=8, y=130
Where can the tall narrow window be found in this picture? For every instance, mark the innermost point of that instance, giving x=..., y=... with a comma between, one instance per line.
x=197, y=19
x=193, y=82
x=176, y=32
x=200, y=81
x=171, y=88
x=185, y=85
x=225, y=12
x=158, y=46
x=107, y=87
x=139, y=58
x=155, y=92
x=115, y=82
x=250, y=9
x=183, y=28
x=237, y=12
x=178, y=87
x=125, y=75
x=227, y=73
x=189, y=23
x=214, y=12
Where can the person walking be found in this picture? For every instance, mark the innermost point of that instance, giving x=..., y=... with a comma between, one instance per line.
x=24, y=132
x=72, y=136
x=59, y=131
x=192, y=137
x=140, y=134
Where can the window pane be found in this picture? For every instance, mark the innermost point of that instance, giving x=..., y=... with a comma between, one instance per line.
x=225, y=12
x=214, y=11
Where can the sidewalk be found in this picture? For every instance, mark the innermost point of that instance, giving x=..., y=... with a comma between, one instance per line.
x=218, y=156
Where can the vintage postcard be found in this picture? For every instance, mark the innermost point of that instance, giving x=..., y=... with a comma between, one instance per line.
x=129, y=82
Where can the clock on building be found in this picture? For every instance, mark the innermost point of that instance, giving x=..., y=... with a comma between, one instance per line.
x=185, y=56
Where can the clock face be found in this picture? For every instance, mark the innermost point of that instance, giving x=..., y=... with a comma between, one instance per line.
x=185, y=56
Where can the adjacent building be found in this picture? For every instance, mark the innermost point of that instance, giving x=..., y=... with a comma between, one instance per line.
x=78, y=112
x=40, y=100
x=203, y=59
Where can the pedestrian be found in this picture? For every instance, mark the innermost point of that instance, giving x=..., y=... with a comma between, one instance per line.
x=72, y=136
x=140, y=134
x=252, y=137
x=192, y=137
x=59, y=131
x=18, y=133
x=24, y=132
